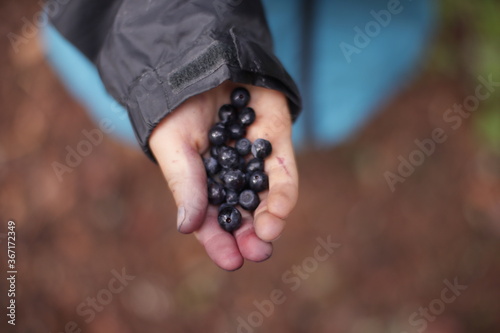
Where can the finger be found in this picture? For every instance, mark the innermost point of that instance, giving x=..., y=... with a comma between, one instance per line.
x=251, y=247
x=268, y=227
x=282, y=197
x=220, y=245
x=280, y=166
x=184, y=171
x=281, y=169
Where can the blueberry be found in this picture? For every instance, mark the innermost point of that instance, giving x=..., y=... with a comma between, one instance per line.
x=258, y=181
x=232, y=197
x=246, y=117
x=229, y=218
x=214, y=151
x=255, y=164
x=224, y=205
x=227, y=113
x=262, y=148
x=243, y=146
x=228, y=157
x=242, y=164
x=212, y=166
x=218, y=135
x=234, y=180
x=222, y=173
x=216, y=193
x=249, y=200
x=236, y=131
x=240, y=97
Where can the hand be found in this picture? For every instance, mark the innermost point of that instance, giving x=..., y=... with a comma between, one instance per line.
x=179, y=140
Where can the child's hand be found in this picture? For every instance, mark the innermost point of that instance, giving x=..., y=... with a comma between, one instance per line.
x=179, y=140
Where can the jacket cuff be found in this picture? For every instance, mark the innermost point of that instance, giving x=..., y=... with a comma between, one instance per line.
x=160, y=90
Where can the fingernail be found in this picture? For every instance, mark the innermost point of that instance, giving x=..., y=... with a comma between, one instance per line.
x=181, y=216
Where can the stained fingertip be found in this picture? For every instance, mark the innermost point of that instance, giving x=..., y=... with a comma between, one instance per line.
x=255, y=249
x=252, y=247
x=220, y=246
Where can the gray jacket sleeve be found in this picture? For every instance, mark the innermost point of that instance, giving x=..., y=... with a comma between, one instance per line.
x=154, y=54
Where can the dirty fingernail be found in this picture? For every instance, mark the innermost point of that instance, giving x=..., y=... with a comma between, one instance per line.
x=181, y=216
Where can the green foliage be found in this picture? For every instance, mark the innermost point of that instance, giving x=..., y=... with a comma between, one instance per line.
x=469, y=39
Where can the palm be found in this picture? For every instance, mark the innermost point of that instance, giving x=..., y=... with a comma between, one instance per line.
x=179, y=141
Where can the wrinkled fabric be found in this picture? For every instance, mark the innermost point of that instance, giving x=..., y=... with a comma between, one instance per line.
x=153, y=55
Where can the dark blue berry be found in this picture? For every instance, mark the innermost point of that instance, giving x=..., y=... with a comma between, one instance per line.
x=255, y=164
x=240, y=97
x=246, y=117
x=218, y=135
x=227, y=114
x=232, y=197
x=242, y=164
x=258, y=181
x=214, y=151
x=243, y=146
x=222, y=173
x=236, y=131
x=249, y=200
x=212, y=166
x=216, y=193
x=228, y=157
x=234, y=180
x=224, y=205
x=229, y=218
x=262, y=148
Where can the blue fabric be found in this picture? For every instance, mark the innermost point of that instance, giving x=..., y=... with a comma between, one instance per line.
x=344, y=95
x=345, y=91
x=81, y=78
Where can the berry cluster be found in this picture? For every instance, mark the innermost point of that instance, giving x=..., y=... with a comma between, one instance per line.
x=234, y=177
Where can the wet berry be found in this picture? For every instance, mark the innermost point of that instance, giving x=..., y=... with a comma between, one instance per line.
x=232, y=197
x=246, y=117
x=255, y=164
x=222, y=173
x=227, y=114
x=240, y=97
x=218, y=135
x=214, y=151
x=242, y=163
x=216, y=193
x=243, y=146
x=236, y=131
x=229, y=218
x=249, y=200
x=228, y=157
x=261, y=148
x=211, y=166
x=224, y=205
x=234, y=180
x=258, y=181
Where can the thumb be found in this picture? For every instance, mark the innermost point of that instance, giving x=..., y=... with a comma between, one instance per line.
x=184, y=171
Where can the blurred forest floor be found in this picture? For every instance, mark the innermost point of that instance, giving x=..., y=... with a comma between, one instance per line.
x=114, y=212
